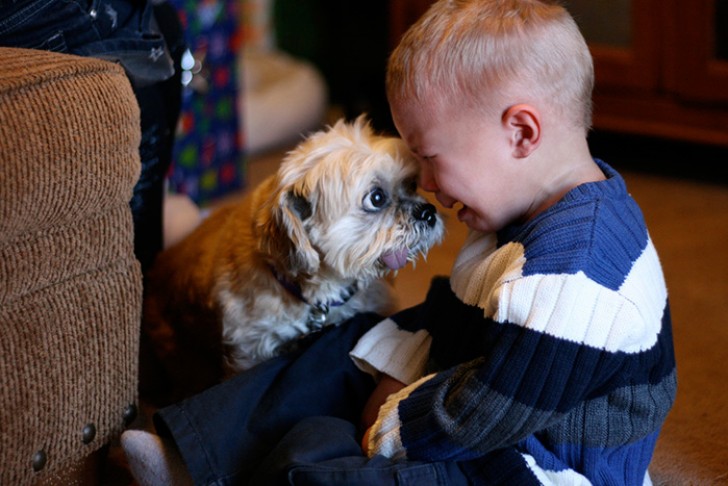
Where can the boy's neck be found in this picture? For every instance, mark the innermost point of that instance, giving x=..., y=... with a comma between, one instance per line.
x=562, y=167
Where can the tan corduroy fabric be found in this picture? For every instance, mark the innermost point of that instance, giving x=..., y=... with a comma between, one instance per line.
x=70, y=287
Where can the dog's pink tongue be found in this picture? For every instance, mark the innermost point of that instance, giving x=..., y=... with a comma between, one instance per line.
x=395, y=260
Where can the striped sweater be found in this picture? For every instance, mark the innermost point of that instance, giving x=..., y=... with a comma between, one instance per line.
x=551, y=359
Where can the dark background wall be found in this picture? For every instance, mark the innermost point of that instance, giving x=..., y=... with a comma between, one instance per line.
x=349, y=42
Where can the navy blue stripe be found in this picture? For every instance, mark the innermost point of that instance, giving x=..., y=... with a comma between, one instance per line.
x=534, y=368
x=597, y=229
x=501, y=467
x=552, y=374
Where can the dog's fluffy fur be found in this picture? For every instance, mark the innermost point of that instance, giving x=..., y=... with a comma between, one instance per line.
x=308, y=248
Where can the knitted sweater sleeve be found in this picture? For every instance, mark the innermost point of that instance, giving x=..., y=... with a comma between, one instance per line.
x=555, y=344
x=390, y=350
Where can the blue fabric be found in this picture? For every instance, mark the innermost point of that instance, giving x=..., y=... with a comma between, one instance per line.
x=593, y=220
x=115, y=30
x=326, y=451
x=225, y=432
x=291, y=420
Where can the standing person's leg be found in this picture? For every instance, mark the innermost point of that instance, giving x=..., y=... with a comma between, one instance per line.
x=225, y=432
x=160, y=105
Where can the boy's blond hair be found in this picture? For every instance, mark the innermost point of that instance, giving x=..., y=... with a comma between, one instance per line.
x=468, y=51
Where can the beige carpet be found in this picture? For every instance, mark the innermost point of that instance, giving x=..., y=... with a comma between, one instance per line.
x=689, y=225
x=688, y=222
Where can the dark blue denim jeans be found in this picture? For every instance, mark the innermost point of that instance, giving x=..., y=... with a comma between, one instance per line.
x=123, y=31
x=290, y=420
x=147, y=41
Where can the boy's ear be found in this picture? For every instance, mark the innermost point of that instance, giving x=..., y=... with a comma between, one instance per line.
x=523, y=122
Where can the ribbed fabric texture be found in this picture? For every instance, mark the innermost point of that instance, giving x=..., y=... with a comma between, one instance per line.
x=70, y=286
x=552, y=352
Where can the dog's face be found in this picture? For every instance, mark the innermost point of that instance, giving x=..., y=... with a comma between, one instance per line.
x=346, y=202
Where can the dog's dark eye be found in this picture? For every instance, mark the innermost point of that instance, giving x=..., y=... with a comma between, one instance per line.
x=375, y=200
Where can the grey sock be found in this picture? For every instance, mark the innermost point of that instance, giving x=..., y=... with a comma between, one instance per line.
x=154, y=461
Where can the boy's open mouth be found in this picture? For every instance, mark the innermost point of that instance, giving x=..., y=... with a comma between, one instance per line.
x=462, y=211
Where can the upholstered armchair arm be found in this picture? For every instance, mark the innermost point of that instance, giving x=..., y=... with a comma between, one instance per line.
x=70, y=286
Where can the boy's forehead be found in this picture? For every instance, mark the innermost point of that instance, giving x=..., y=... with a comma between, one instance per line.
x=419, y=121
x=415, y=115
x=410, y=123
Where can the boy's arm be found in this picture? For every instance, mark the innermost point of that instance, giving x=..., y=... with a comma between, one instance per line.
x=477, y=407
x=386, y=387
x=539, y=352
x=387, y=350
x=527, y=381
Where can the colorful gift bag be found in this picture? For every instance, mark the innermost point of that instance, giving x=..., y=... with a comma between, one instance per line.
x=208, y=158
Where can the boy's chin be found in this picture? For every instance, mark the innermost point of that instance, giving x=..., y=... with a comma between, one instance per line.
x=470, y=219
x=467, y=217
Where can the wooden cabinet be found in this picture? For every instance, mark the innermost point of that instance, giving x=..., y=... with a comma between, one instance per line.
x=670, y=80
x=696, y=50
x=661, y=65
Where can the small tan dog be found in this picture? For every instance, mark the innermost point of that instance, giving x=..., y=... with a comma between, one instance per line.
x=307, y=249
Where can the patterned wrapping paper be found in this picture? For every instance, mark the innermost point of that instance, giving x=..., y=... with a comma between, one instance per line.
x=208, y=158
x=256, y=23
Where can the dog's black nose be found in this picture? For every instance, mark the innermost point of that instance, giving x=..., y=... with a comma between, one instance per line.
x=426, y=212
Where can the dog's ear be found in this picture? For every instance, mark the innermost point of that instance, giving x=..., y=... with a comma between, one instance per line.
x=284, y=235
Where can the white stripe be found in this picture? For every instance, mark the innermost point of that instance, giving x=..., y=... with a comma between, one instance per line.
x=567, y=306
x=567, y=477
x=384, y=436
x=387, y=349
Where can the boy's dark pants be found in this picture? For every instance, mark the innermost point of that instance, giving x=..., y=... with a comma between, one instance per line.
x=291, y=420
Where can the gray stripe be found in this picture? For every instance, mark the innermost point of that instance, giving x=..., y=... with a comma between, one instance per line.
x=624, y=416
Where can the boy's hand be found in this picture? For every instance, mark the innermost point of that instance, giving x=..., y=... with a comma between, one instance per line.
x=386, y=386
x=365, y=442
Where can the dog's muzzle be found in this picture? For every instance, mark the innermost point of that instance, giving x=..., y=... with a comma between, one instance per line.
x=425, y=212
